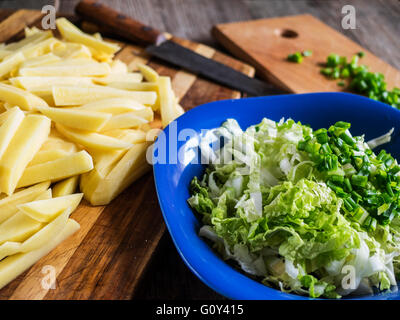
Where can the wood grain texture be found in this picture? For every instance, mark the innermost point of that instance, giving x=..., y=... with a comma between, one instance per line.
x=266, y=43
x=108, y=256
x=15, y=23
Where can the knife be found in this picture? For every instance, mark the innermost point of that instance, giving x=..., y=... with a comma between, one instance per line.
x=159, y=46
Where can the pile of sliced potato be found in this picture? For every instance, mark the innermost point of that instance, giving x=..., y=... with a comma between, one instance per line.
x=70, y=115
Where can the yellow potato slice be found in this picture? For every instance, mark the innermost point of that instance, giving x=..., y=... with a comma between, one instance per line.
x=18, y=228
x=179, y=109
x=131, y=167
x=41, y=48
x=2, y=107
x=47, y=210
x=29, y=40
x=70, y=96
x=28, y=139
x=44, y=94
x=47, y=155
x=71, y=165
x=101, y=56
x=44, y=84
x=146, y=113
x=78, y=62
x=30, y=31
x=73, y=34
x=105, y=160
x=21, y=98
x=48, y=194
x=133, y=77
x=91, y=139
x=89, y=183
x=10, y=63
x=128, y=135
x=117, y=66
x=100, y=190
x=14, y=265
x=114, y=105
x=53, y=143
x=9, y=248
x=47, y=58
x=13, y=119
x=6, y=113
x=141, y=86
x=66, y=187
x=123, y=121
x=78, y=118
x=73, y=51
x=148, y=73
x=91, y=68
x=167, y=101
x=4, y=53
x=8, y=205
x=47, y=233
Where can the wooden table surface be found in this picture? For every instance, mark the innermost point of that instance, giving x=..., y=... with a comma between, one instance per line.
x=378, y=29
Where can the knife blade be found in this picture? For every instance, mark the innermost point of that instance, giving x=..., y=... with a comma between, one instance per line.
x=113, y=22
x=180, y=56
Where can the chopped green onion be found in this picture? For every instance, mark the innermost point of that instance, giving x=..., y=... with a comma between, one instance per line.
x=347, y=184
x=369, y=184
x=326, y=71
x=360, y=181
x=362, y=81
x=295, y=57
x=383, y=208
x=333, y=60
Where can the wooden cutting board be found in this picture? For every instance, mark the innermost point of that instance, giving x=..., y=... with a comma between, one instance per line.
x=266, y=44
x=106, y=258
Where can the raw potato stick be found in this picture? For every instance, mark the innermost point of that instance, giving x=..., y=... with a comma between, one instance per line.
x=21, y=98
x=77, y=118
x=46, y=210
x=69, y=114
x=92, y=140
x=72, y=96
x=14, y=265
x=71, y=165
x=8, y=205
x=66, y=187
x=28, y=139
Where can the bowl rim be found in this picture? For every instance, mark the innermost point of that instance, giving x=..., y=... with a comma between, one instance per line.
x=270, y=293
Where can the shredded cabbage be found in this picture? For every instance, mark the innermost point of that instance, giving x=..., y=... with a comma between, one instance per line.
x=265, y=207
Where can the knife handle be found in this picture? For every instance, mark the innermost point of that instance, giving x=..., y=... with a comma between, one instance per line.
x=118, y=23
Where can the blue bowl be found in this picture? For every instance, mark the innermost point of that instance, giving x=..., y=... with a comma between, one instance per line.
x=172, y=180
